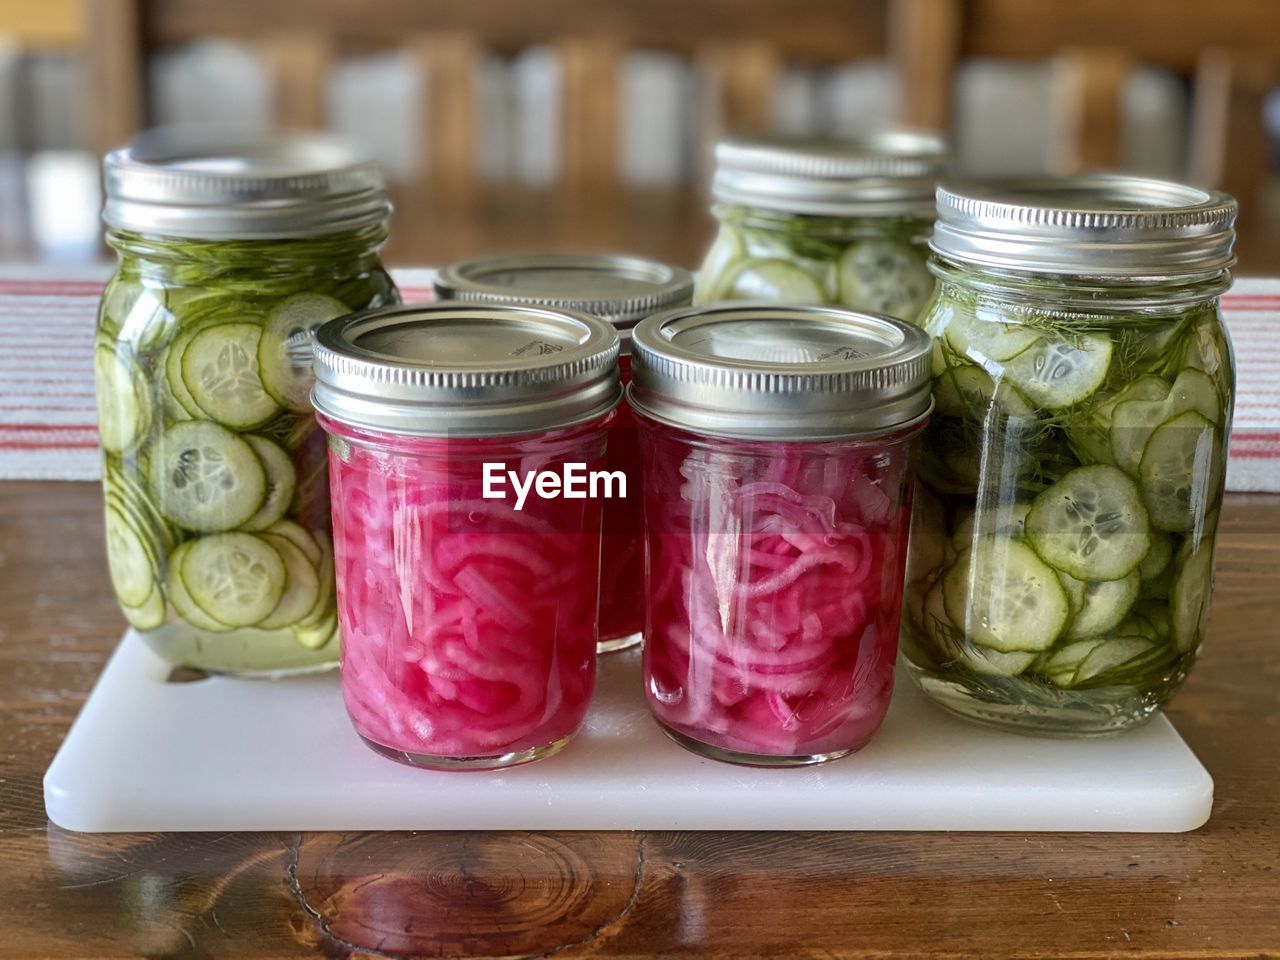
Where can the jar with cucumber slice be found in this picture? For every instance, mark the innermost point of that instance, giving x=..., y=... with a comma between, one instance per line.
x=231, y=251
x=1062, y=542
x=824, y=222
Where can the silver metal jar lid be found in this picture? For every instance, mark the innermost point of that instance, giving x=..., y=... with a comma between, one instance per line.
x=1100, y=225
x=620, y=289
x=890, y=174
x=765, y=372
x=465, y=370
x=210, y=184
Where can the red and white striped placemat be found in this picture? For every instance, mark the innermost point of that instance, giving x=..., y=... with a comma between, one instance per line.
x=47, y=411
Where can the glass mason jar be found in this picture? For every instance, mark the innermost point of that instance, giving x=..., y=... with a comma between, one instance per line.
x=1062, y=554
x=622, y=290
x=779, y=452
x=468, y=610
x=217, y=517
x=824, y=222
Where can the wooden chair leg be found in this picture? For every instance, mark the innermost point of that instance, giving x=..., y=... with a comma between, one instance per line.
x=114, y=73
x=589, y=168
x=299, y=66
x=1230, y=147
x=924, y=45
x=1087, y=88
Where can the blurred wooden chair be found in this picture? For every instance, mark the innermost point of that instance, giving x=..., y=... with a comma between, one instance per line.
x=1227, y=50
x=738, y=46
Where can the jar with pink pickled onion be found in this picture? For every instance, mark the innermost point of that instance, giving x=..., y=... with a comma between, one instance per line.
x=779, y=447
x=622, y=290
x=467, y=608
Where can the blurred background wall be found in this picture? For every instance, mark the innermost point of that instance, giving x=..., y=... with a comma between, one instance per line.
x=587, y=123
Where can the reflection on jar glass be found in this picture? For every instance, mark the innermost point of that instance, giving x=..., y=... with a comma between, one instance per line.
x=1062, y=549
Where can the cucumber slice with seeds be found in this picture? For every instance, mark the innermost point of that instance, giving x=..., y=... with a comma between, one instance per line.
x=1005, y=597
x=285, y=348
x=1103, y=606
x=1091, y=524
x=183, y=604
x=777, y=281
x=205, y=478
x=220, y=370
x=1056, y=374
x=884, y=276
x=278, y=469
x=235, y=578
x=1181, y=471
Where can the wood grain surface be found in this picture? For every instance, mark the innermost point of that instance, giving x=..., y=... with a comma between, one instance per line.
x=1214, y=893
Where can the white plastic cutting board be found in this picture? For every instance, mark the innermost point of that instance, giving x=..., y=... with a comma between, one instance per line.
x=225, y=754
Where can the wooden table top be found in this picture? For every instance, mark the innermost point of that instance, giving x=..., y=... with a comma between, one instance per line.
x=1212, y=893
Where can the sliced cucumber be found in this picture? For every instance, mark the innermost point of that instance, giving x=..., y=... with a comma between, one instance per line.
x=1189, y=603
x=777, y=281
x=884, y=276
x=994, y=663
x=297, y=535
x=324, y=606
x=124, y=405
x=1156, y=613
x=236, y=578
x=1103, y=606
x=205, y=478
x=302, y=586
x=1074, y=590
x=1090, y=432
x=1157, y=558
x=1133, y=421
x=1061, y=663
x=938, y=626
x=315, y=635
x=130, y=560
x=1005, y=519
x=149, y=614
x=968, y=391
x=220, y=370
x=1091, y=524
x=278, y=469
x=1181, y=471
x=177, y=387
x=719, y=265
x=285, y=348
x=1109, y=656
x=1005, y=597
x=938, y=362
x=985, y=340
x=183, y=604
x=1056, y=374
